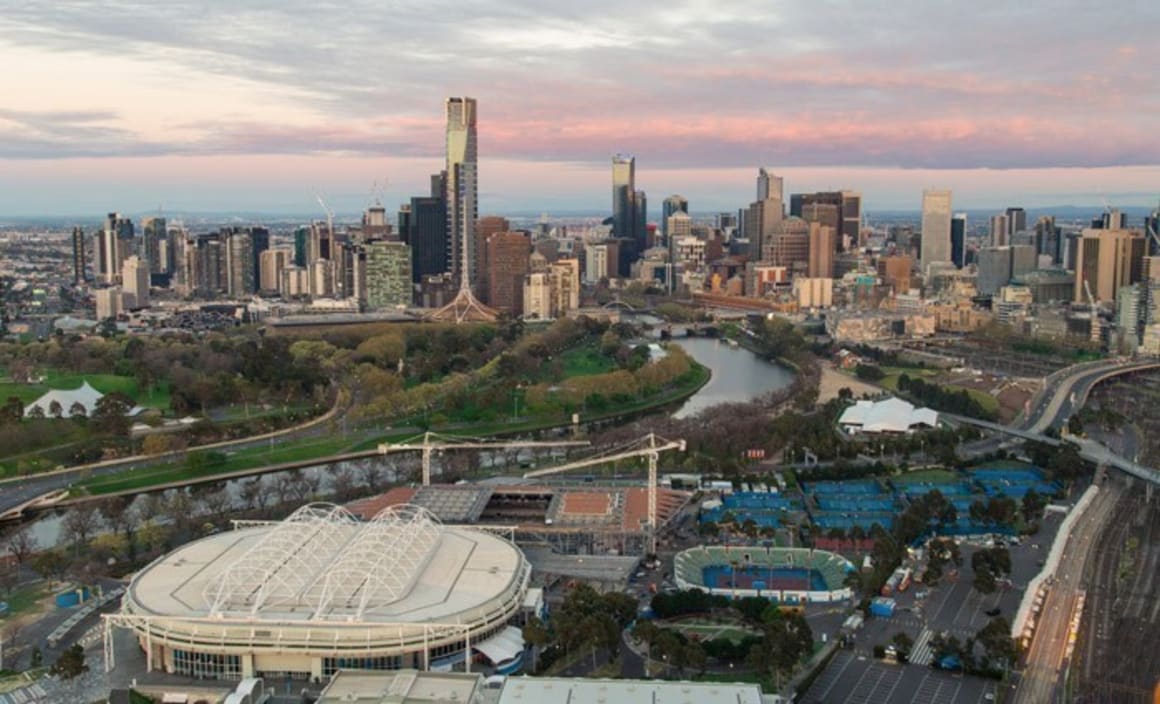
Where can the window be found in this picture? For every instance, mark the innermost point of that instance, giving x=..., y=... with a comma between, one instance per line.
x=385, y=662
x=207, y=665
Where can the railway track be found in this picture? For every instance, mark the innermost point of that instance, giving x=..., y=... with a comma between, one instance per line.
x=1117, y=654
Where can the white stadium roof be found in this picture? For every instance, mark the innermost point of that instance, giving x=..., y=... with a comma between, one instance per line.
x=890, y=416
x=322, y=565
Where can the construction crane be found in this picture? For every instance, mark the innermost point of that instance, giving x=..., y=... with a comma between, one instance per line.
x=1095, y=311
x=649, y=446
x=429, y=442
x=329, y=214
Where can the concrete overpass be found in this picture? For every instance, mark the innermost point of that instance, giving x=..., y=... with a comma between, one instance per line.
x=1065, y=393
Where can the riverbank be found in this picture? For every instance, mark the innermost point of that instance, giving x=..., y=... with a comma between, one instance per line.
x=265, y=460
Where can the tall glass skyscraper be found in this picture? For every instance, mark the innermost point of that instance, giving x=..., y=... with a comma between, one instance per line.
x=462, y=188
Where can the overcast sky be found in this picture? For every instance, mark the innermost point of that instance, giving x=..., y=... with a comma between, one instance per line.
x=258, y=104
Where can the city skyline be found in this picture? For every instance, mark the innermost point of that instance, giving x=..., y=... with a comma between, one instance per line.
x=231, y=109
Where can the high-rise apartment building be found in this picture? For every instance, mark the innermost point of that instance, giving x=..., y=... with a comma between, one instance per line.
x=1107, y=260
x=115, y=244
x=538, y=296
x=243, y=251
x=596, y=259
x=154, y=243
x=135, y=274
x=848, y=205
x=789, y=244
x=672, y=205
x=565, y=278
x=461, y=187
x=959, y=240
x=936, y=228
x=507, y=257
x=388, y=275
x=271, y=264
x=80, y=264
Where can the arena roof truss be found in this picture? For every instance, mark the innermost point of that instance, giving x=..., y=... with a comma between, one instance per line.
x=381, y=563
x=322, y=558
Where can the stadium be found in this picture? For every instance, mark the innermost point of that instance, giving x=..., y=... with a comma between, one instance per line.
x=787, y=575
x=323, y=590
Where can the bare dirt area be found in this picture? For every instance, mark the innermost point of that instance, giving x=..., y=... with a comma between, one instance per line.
x=834, y=380
x=1116, y=658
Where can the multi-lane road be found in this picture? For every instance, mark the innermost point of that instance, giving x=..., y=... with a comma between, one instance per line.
x=1044, y=674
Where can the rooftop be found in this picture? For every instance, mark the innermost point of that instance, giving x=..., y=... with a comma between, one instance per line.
x=321, y=564
x=542, y=690
x=401, y=687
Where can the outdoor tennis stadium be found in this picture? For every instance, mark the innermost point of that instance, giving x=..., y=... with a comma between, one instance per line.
x=787, y=575
x=322, y=590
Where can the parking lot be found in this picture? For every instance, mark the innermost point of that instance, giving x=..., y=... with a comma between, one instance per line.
x=952, y=607
x=857, y=679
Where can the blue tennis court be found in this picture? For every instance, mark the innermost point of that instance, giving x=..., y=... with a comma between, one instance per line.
x=772, y=578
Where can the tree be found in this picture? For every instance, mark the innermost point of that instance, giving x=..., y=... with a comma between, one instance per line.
x=536, y=633
x=996, y=640
x=21, y=543
x=79, y=525
x=1033, y=503
x=110, y=413
x=50, y=564
x=70, y=663
x=77, y=410
x=903, y=643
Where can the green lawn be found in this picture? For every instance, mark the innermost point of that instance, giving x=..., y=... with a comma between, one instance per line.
x=26, y=598
x=586, y=360
x=934, y=476
x=156, y=397
x=984, y=399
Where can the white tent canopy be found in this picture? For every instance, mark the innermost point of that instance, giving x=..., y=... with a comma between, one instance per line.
x=890, y=416
x=86, y=396
x=503, y=646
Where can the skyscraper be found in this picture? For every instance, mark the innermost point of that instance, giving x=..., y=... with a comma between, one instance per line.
x=959, y=239
x=1000, y=231
x=135, y=273
x=79, y=263
x=1107, y=260
x=1016, y=221
x=936, y=228
x=770, y=186
x=822, y=250
x=672, y=204
x=485, y=227
x=461, y=188
x=388, y=275
x=623, y=191
x=507, y=258
x=153, y=233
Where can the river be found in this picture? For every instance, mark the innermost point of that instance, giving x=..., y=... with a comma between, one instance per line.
x=737, y=375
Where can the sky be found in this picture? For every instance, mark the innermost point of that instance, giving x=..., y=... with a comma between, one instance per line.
x=262, y=105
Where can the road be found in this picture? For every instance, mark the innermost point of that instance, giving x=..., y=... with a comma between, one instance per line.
x=1045, y=671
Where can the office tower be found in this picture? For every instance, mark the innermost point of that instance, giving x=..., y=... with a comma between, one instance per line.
x=427, y=232
x=851, y=218
x=1048, y=239
x=153, y=235
x=959, y=239
x=936, y=228
x=826, y=214
x=895, y=271
x=1111, y=219
x=671, y=205
x=388, y=275
x=788, y=244
x=822, y=250
x=461, y=188
x=725, y=221
x=1108, y=260
x=640, y=230
x=78, y=252
x=1016, y=221
x=135, y=274
x=403, y=221
x=507, y=257
x=301, y=246
x=485, y=227
x=764, y=214
x=271, y=264
x=999, y=234
x=1152, y=224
